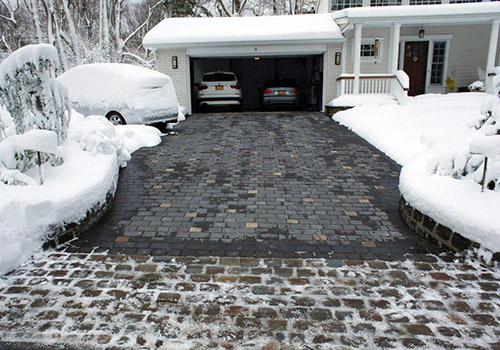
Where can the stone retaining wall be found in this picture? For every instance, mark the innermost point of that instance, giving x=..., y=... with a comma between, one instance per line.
x=330, y=111
x=60, y=234
x=434, y=232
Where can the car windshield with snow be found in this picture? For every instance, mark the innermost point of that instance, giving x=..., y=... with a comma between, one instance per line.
x=123, y=93
x=281, y=92
x=219, y=89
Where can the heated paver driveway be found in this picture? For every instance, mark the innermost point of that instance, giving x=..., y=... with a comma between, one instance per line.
x=257, y=184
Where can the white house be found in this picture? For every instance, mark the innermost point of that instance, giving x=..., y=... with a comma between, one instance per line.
x=356, y=49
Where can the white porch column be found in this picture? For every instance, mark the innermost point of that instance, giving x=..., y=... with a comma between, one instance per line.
x=396, y=30
x=492, y=52
x=357, y=57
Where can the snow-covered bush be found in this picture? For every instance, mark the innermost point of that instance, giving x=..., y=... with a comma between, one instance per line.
x=466, y=159
x=34, y=100
x=477, y=86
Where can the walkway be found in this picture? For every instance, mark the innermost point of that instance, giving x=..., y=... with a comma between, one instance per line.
x=258, y=185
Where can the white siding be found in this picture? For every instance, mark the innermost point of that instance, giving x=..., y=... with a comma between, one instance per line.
x=367, y=67
x=331, y=72
x=179, y=76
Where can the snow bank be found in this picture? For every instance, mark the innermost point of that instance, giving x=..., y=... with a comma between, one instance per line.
x=362, y=100
x=427, y=121
x=431, y=137
x=458, y=204
x=93, y=153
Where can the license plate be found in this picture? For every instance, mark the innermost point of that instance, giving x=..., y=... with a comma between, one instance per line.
x=281, y=92
x=219, y=88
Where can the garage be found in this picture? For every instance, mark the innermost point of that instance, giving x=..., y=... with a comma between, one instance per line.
x=305, y=71
x=301, y=50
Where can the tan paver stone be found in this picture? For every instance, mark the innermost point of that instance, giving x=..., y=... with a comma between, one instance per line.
x=191, y=215
x=310, y=200
x=251, y=225
x=154, y=161
x=380, y=187
x=351, y=213
x=369, y=244
x=292, y=221
x=158, y=187
x=277, y=174
x=319, y=237
x=169, y=170
x=346, y=167
x=210, y=181
x=365, y=201
x=253, y=191
x=195, y=229
x=231, y=211
x=121, y=239
x=165, y=205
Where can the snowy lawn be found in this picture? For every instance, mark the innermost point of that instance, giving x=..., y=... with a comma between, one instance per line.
x=430, y=131
x=93, y=154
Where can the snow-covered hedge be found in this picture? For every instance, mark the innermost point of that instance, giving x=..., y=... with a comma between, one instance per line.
x=466, y=159
x=34, y=100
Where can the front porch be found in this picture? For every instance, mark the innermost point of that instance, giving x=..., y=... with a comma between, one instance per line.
x=403, y=51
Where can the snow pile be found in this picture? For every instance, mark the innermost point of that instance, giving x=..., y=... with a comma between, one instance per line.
x=363, y=100
x=477, y=86
x=432, y=137
x=116, y=86
x=93, y=153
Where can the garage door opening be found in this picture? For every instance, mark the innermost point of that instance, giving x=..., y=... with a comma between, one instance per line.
x=253, y=73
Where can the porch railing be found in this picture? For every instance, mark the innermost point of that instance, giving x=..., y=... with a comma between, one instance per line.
x=394, y=84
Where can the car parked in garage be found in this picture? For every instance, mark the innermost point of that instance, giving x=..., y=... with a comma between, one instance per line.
x=123, y=93
x=219, y=89
x=281, y=92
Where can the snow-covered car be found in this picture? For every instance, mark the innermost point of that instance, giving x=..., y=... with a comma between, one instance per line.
x=282, y=92
x=219, y=89
x=123, y=93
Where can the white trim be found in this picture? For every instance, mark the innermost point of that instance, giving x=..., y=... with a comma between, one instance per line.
x=431, y=39
x=188, y=84
x=256, y=50
x=365, y=41
x=323, y=92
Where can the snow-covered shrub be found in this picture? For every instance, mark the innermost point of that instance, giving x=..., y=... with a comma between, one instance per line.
x=34, y=100
x=95, y=134
x=466, y=160
x=477, y=86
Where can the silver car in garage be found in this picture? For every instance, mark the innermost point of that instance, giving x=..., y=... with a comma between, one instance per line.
x=281, y=92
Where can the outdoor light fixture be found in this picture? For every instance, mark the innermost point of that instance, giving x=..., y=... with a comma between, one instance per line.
x=256, y=58
x=175, y=64
x=421, y=32
x=338, y=56
x=376, y=46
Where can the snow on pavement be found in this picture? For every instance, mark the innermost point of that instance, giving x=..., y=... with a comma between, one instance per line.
x=246, y=303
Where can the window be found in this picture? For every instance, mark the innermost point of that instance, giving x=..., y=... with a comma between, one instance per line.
x=342, y=4
x=425, y=2
x=464, y=1
x=368, y=51
x=385, y=2
x=437, y=70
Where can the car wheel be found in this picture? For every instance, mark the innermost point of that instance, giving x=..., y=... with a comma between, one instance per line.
x=115, y=118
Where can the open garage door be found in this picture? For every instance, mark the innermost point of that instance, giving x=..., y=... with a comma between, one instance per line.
x=253, y=72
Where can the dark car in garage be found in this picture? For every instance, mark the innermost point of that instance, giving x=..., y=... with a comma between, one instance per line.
x=281, y=92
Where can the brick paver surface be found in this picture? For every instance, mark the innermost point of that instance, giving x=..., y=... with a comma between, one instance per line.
x=94, y=301
x=258, y=185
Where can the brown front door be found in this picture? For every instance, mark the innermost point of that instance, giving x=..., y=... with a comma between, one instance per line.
x=415, y=65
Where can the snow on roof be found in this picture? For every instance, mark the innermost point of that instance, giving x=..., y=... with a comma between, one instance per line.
x=460, y=12
x=220, y=30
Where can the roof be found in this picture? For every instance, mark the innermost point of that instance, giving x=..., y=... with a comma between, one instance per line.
x=437, y=14
x=204, y=31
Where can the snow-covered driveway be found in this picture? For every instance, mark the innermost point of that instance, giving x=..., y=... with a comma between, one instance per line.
x=258, y=184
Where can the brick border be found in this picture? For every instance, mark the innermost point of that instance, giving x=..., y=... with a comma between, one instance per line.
x=330, y=111
x=60, y=234
x=435, y=232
